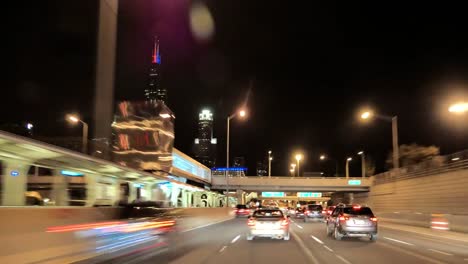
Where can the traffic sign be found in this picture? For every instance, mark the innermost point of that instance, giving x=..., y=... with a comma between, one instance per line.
x=273, y=194
x=309, y=195
x=354, y=182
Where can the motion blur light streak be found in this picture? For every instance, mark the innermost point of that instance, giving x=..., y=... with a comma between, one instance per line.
x=81, y=226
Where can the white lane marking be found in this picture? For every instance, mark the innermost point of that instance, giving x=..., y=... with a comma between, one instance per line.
x=235, y=239
x=411, y=253
x=316, y=239
x=440, y=252
x=399, y=241
x=191, y=229
x=343, y=259
x=329, y=249
x=310, y=256
x=222, y=249
x=299, y=226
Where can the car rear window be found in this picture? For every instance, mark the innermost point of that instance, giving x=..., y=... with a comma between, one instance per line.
x=315, y=207
x=241, y=206
x=358, y=211
x=268, y=214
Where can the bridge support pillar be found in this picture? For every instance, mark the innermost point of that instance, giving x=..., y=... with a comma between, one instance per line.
x=240, y=197
x=92, y=189
x=59, y=192
x=175, y=196
x=14, y=183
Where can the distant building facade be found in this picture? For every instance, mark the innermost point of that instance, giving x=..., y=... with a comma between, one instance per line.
x=205, y=144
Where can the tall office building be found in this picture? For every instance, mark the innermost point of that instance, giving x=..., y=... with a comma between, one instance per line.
x=154, y=91
x=205, y=144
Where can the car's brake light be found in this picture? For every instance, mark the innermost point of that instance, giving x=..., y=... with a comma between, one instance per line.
x=343, y=218
x=251, y=222
x=329, y=211
x=357, y=207
x=285, y=222
x=307, y=212
x=324, y=212
x=373, y=219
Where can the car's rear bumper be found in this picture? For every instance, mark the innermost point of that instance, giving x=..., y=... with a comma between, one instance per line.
x=268, y=233
x=358, y=230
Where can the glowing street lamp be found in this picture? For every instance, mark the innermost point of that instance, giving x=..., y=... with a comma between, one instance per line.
x=459, y=108
x=396, y=157
x=75, y=119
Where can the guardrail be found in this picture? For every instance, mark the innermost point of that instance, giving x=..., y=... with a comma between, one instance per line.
x=440, y=164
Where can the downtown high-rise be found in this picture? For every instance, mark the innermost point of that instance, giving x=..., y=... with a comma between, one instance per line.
x=205, y=144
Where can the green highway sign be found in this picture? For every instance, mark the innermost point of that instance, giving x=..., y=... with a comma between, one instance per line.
x=273, y=194
x=354, y=182
x=309, y=195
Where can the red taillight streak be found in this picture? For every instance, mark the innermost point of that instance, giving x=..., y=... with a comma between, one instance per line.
x=285, y=222
x=81, y=226
x=329, y=211
x=324, y=212
x=307, y=212
x=373, y=219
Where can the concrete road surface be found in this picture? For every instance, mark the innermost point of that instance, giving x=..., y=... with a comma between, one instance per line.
x=226, y=243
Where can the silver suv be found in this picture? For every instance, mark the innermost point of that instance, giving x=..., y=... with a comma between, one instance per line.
x=352, y=221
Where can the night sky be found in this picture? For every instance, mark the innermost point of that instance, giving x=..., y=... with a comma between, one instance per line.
x=304, y=71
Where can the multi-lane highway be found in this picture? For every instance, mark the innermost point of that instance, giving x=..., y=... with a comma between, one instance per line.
x=226, y=243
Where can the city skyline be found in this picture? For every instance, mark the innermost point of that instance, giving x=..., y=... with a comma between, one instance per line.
x=314, y=88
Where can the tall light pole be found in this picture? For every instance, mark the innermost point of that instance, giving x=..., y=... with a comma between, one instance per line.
x=75, y=119
x=270, y=158
x=394, y=120
x=298, y=159
x=347, y=166
x=324, y=157
x=241, y=113
x=292, y=171
x=363, y=163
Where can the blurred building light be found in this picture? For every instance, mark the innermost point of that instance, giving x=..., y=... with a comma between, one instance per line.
x=165, y=115
x=29, y=126
x=455, y=159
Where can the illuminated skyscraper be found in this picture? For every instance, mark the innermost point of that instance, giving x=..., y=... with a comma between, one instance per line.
x=154, y=91
x=205, y=144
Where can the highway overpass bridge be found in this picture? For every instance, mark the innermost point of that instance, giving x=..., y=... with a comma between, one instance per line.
x=292, y=184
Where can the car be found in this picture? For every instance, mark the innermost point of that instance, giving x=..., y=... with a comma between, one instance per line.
x=242, y=211
x=313, y=212
x=299, y=212
x=268, y=223
x=352, y=221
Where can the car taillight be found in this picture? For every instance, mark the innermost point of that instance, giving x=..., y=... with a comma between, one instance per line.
x=329, y=211
x=343, y=218
x=251, y=222
x=373, y=219
x=324, y=212
x=307, y=212
x=285, y=222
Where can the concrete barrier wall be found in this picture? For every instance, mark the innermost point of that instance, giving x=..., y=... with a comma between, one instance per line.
x=415, y=201
x=24, y=238
x=445, y=193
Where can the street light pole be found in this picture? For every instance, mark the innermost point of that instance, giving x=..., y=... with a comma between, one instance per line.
x=396, y=155
x=242, y=114
x=269, y=163
x=347, y=167
x=394, y=120
x=363, y=163
x=85, y=138
x=84, y=145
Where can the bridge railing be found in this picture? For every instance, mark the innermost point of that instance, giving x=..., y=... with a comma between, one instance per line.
x=440, y=164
